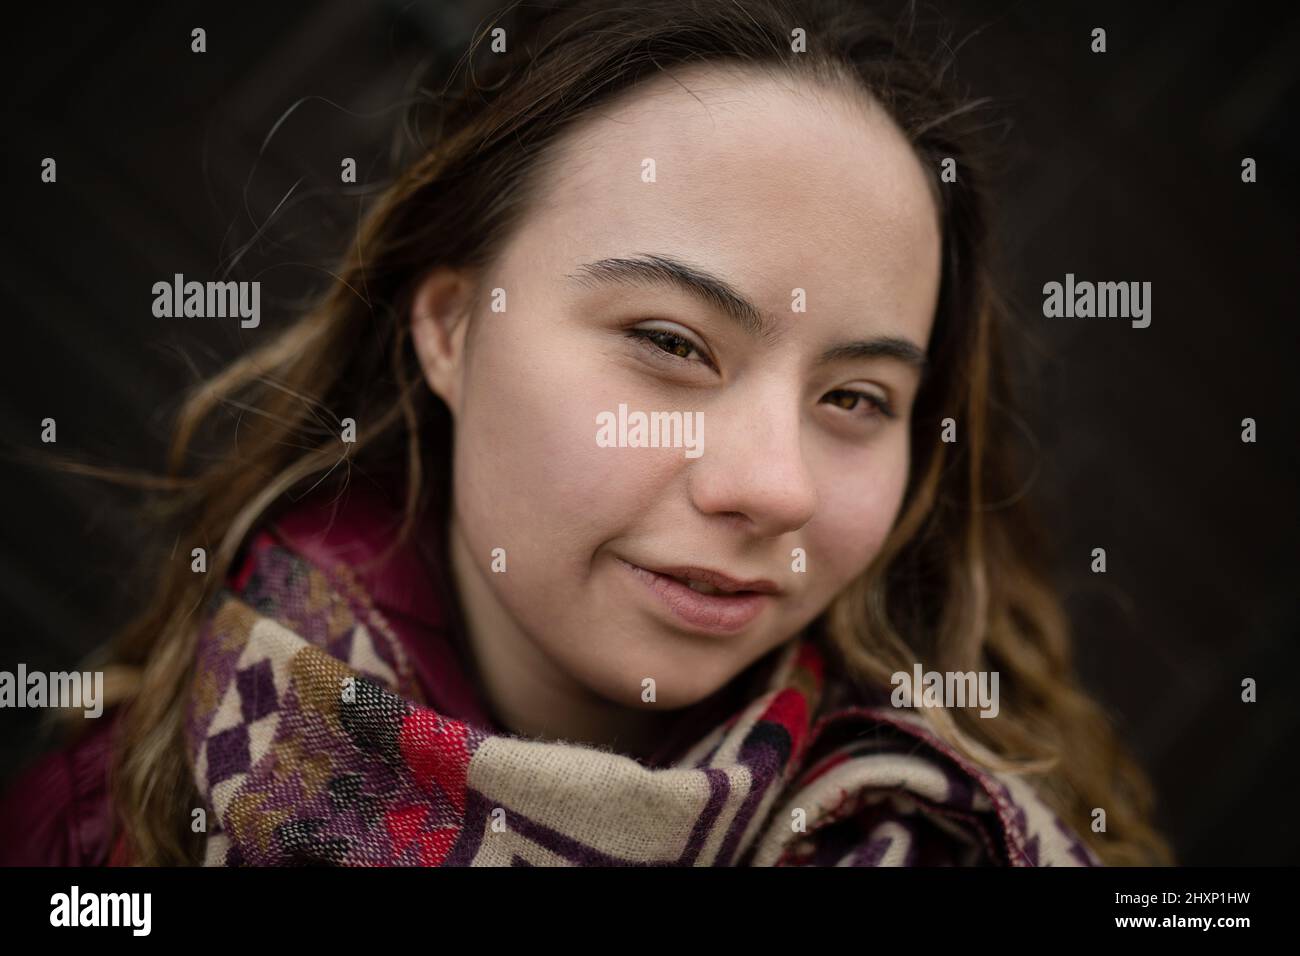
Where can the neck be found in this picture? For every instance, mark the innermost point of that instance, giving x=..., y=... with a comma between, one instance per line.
x=527, y=692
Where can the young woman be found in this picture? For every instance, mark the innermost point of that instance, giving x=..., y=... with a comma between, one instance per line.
x=461, y=607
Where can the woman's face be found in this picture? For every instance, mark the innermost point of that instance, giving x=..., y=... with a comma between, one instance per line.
x=805, y=260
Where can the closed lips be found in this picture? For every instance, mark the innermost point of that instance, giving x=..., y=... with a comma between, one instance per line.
x=706, y=601
x=707, y=581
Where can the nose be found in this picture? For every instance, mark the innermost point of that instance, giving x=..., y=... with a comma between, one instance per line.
x=753, y=467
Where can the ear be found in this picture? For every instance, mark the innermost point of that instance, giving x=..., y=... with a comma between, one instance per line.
x=440, y=314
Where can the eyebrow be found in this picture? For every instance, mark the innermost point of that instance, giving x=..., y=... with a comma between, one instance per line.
x=723, y=297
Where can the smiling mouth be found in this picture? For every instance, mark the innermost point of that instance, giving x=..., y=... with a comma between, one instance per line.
x=720, y=606
x=708, y=581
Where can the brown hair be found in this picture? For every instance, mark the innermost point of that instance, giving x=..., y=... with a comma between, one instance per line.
x=958, y=585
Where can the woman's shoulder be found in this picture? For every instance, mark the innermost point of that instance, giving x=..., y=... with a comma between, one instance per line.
x=399, y=586
x=909, y=789
x=58, y=812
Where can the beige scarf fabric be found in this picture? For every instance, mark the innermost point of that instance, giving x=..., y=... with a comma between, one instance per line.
x=311, y=745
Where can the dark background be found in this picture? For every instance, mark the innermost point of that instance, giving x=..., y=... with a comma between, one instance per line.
x=1122, y=166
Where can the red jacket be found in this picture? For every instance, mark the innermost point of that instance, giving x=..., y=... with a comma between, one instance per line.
x=58, y=813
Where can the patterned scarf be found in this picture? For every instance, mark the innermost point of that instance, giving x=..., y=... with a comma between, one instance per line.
x=311, y=744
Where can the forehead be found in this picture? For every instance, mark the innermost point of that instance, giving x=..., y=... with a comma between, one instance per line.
x=771, y=182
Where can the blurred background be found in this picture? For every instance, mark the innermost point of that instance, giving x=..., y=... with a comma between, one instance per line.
x=1119, y=166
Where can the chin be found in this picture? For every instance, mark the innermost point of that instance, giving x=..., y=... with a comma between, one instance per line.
x=674, y=687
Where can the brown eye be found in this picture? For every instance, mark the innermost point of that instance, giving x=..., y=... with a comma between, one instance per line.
x=671, y=343
x=850, y=399
x=662, y=341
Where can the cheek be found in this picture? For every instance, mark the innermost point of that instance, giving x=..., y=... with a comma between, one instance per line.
x=857, y=512
x=528, y=470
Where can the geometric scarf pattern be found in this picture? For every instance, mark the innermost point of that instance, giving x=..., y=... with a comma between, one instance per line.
x=310, y=743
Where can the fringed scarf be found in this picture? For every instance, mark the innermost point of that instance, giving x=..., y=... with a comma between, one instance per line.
x=311, y=744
